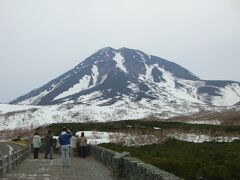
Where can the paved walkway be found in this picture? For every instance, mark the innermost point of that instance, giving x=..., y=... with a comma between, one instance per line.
x=46, y=169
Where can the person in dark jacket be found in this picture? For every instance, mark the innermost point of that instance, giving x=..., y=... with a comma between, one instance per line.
x=49, y=145
x=65, y=142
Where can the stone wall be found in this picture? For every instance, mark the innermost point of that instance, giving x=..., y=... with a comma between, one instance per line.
x=126, y=167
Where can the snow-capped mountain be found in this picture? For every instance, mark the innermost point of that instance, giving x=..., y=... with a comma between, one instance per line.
x=111, y=76
x=119, y=84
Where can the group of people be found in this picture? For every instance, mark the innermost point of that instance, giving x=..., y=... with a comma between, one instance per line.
x=65, y=145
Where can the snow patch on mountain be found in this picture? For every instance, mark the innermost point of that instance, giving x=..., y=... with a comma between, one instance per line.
x=119, y=59
x=227, y=97
x=83, y=84
x=91, y=96
x=142, y=56
x=34, y=99
x=187, y=92
x=95, y=74
x=149, y=70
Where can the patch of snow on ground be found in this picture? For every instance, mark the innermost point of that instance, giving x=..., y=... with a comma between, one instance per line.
x=196, y=138
x=121, y=110
x=5, y=108
x=5, y=140
x=96, y=137
x=210, y=122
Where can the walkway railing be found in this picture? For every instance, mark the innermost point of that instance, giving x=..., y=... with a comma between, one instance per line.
x=12, y=161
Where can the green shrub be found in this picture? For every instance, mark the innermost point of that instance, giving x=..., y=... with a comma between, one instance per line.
x=209, y=160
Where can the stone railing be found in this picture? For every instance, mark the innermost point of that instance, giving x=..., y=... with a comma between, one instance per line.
x=126, y=167
x=12, y=161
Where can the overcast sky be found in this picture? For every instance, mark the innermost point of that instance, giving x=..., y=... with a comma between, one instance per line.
x=42, y=39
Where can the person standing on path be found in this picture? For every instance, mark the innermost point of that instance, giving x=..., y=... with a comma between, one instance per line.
x=64, y=140
x=82, y=144
x=36, y=145
x=49, y=145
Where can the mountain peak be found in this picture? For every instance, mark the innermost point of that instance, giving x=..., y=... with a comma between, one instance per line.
x=107, y=49
x=122, y=75
x=122, y=49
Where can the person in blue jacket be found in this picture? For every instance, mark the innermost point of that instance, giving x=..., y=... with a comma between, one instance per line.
x=65, y=142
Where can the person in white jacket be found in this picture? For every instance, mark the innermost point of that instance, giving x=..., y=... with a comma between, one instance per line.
x=36, y=145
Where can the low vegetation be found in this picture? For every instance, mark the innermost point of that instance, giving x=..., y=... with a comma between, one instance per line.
x=19, y=142
x=226, y=117
x=208, y=160
x=148, y=127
